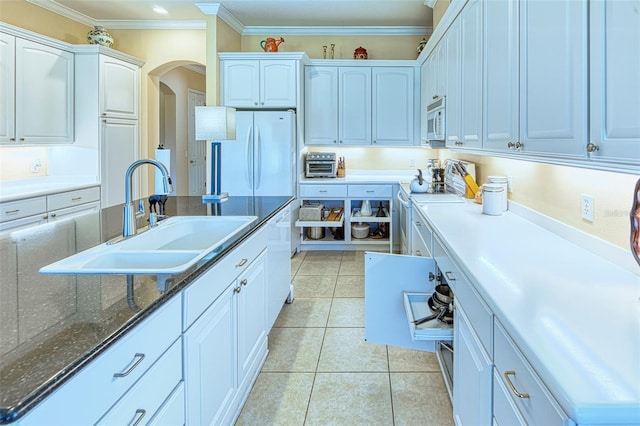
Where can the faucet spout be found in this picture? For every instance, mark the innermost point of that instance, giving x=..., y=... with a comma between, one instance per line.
x=129, y=216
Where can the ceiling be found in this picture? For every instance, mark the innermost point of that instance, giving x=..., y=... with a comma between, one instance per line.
x=371, y=16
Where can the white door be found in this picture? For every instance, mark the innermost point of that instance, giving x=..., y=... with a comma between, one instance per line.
x=119, y=149
x=7, y=87
x=274, y=136
x=393, y=107
x=237, y=156
x=321, y=105
x=386, y=278
x=471, y=69
x=354, y=119
x=197, y=150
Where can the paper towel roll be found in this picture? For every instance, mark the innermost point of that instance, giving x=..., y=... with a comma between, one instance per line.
x=163, y=156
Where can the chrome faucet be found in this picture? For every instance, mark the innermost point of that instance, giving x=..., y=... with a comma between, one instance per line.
x=129, y=217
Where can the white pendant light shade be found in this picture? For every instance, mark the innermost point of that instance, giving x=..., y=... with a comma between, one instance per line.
x=215, y=123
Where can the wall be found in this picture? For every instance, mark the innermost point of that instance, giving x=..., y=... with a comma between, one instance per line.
x=16, y=163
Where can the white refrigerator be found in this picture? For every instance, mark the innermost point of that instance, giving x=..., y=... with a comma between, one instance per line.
x=262, y=158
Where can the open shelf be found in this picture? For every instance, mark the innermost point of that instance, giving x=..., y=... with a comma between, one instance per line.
x=370, y=219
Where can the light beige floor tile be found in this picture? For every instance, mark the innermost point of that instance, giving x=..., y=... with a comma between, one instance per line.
x=314, y=285
x=277, y=399
x=296, y=261
x=350, y=399
x=353, y=256
x=323, y=254
x=349, y=286
x=409, y=360
x=351, y=268
x=346, y=312
x=294, y=349
x=304, y=312
x=344, y=349
x=317, y=266
x=420, y=399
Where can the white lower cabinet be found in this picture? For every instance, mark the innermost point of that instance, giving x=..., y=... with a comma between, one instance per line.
x=226, y=345
x=391, y=303
x=472, y=368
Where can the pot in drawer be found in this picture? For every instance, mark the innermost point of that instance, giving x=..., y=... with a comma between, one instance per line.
x=359, y=230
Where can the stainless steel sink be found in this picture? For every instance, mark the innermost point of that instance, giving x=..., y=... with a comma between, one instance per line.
x=171, y=247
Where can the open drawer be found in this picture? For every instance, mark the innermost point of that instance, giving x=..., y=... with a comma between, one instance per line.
x=390, y=279
x=416, y=307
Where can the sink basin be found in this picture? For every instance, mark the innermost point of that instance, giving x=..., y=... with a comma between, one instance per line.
x=171, y=247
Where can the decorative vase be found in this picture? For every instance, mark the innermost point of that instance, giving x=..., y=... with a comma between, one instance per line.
x=99, y=35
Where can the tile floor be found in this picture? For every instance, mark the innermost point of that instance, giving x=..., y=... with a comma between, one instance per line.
x=320, y=371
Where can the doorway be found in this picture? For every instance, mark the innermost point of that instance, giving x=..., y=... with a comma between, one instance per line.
x=197, y=149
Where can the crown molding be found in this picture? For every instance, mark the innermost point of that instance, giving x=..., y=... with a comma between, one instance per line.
x=221, y=12
x=337, y=31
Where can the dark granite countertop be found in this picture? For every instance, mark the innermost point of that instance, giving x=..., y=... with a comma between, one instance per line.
x=51, y=326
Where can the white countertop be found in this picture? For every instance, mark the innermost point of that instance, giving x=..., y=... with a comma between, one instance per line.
x=17, y=189
x=574, y=315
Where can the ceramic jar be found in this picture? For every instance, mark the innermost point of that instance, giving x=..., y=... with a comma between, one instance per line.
x=99, y=35
x=360, y=53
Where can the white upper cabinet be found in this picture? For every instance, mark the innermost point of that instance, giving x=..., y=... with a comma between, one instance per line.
x=501, y=70
x=360, y=105
x=535, y=99
x=37, y=92
x=394, y=109
x=354, y=105
x=249, y=83
x=119, y=88
x=321, y=105
x=453, y=88
x=471, y=76
x=614, y=81
x=553, y=77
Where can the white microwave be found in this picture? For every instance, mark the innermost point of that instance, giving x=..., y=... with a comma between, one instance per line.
x=436, y=121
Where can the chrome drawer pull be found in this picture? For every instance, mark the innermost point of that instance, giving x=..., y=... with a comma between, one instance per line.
x=418, y=224
x=139, y=412
x=418, y=253
x=513, y=388
x=130, y=369
x=76, y=199
x=370, y=190
x=12, y=211
x=242, y=262
x=449, y=276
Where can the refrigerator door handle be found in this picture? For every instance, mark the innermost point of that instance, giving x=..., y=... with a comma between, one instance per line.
x=249, y=148
x=258, y=163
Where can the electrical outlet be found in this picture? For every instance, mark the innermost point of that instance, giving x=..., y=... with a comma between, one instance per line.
x=412, y=163
x=587, y=207
x=510, y=183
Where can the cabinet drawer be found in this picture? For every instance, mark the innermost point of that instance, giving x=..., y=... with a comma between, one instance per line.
x=200, y=294
x=370, y=191
x=421, y=229
x=419, y=247
x=23, y=208
x=149, y=393
x=131, y=356
x=73, y=198
x=505, y=411
x=173, y=411
x=323, y=191
x=535, y=403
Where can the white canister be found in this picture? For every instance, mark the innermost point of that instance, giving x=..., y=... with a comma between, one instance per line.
x=502, y=180
x=492, y=199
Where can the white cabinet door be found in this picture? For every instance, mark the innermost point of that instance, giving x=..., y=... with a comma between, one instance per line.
x=119, y=88
x=278, y=84
x=354, y=105
x=425, y=100
x=210, y=356
x=501, y=97
x=241, y=83
x=472, y=370
x=553, y=77
x=278, y=264
x=615, y=80
x=393, y=105
x=7, y=88
x=252, y=315
x=471, y=69
x=321, y=105
x=44, y=103
x=384, y=313
x=119, y=148
x=453, y=93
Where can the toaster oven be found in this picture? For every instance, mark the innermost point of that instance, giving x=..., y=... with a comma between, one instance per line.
x=320, y=165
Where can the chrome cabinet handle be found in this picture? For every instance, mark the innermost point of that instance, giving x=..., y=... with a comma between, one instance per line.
x=513, y=388
x=418, y=224
x=237, y=289
x=130, y=369
x=418, y=253
x=242, y=262
x=12, y=211
x=449, y=275
x=591, y=148
x=141, y=413
x=243, y=282
x=511, y=145
x=519, y=145
x=76, y=199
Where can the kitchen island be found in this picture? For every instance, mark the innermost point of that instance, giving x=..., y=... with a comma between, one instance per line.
x=53, y=326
